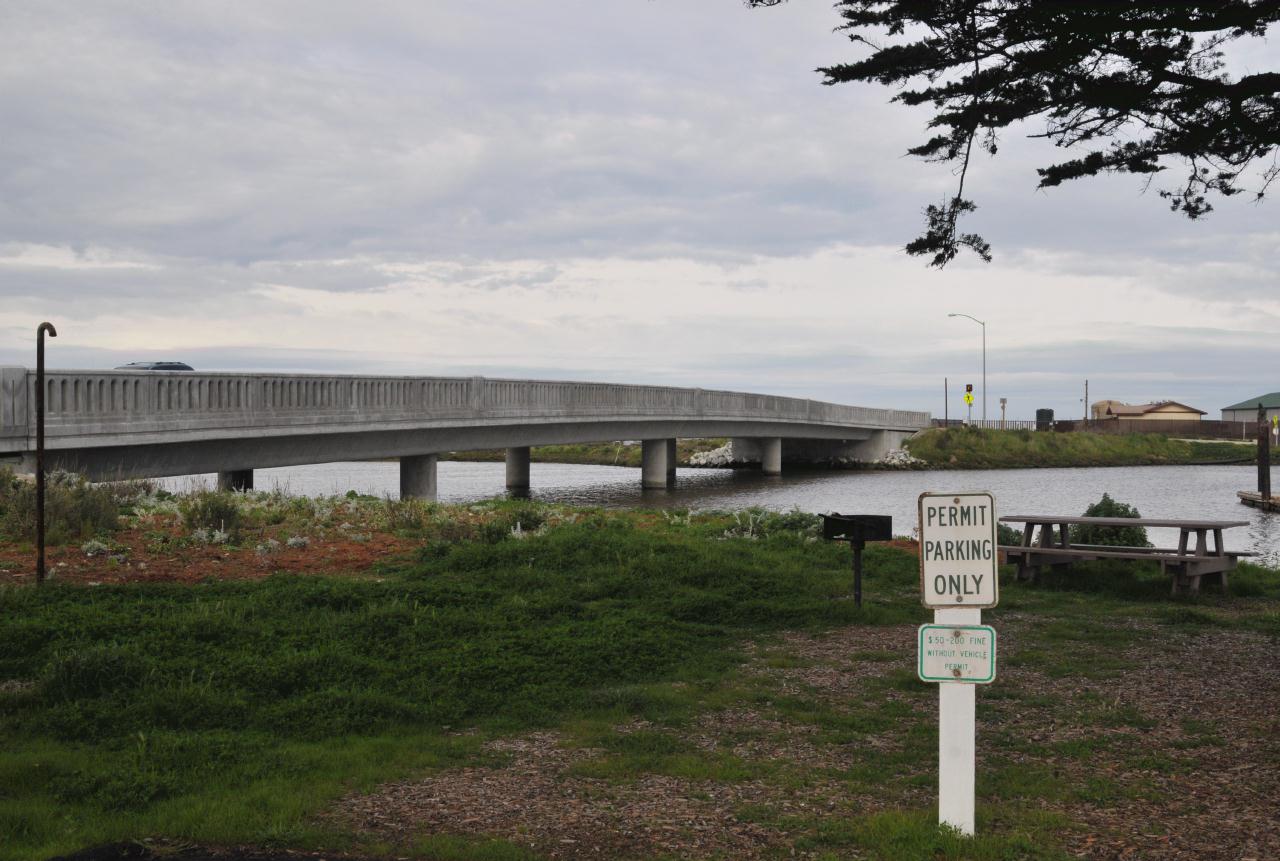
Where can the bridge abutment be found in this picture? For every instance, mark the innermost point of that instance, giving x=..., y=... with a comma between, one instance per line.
x=236, y=479
x=418, y=477
x=518, y=468
x=766, y=451
x=870, y=449
x=671, y=462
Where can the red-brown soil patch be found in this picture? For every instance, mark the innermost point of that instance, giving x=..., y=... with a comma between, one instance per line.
x=140, y=562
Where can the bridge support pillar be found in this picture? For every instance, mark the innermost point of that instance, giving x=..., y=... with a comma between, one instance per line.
x=653, y=463
x=418, y=477
x=771, y=455
x=671, y=462
x=236, y=479
x=518, y=468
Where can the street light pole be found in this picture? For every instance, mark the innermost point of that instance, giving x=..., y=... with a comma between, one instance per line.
x=40, y=333
x=983, y=324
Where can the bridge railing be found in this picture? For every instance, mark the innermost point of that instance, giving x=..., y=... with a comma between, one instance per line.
x=87, y=403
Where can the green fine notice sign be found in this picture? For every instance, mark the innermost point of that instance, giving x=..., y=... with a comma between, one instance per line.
x=957, y=653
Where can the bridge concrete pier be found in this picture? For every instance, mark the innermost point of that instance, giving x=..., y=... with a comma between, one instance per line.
x=236, y=479
x=654, y=457
x=771, y=455
x=518, y=468
x=418, y=477
x=671, y=462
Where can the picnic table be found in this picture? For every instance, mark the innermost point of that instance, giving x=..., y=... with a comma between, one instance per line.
x=1186, y=563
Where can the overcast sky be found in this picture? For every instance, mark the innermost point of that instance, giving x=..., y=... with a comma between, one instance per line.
x=634, y=190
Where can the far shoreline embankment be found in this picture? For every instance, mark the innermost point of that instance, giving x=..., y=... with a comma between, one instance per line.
x=955, y=448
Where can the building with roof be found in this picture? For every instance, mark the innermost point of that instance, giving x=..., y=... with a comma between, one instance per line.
x=1247, y=410
x=1159, y=411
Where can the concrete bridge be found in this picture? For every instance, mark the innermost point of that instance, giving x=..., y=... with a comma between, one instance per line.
x=136, y=424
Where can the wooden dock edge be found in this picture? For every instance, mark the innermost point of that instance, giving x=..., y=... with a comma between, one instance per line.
x=1256, y=500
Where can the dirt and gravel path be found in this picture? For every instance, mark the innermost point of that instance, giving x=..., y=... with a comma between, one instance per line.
x=1171, y=753
x=1176, y=764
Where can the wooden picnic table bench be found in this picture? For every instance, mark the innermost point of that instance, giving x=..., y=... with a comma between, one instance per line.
x=1185, y=563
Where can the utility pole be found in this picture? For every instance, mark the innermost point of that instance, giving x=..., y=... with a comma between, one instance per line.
x=1264, y=454
x=1086, y=403
x=946, y=403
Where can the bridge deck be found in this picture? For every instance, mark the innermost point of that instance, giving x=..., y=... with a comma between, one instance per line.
x=140, y=422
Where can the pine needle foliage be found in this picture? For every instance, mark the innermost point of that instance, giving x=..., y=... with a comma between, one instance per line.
x=1131, y=87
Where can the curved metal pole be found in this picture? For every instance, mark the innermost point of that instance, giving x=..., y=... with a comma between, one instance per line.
x=40, y=333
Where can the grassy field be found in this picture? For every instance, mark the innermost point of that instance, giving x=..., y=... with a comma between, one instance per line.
x=625, y=685
x=978, y=448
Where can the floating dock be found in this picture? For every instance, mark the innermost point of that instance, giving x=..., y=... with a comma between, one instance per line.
x=1257, y=500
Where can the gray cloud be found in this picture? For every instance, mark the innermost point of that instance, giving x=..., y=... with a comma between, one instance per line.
x=634, y=129
x=481, y=150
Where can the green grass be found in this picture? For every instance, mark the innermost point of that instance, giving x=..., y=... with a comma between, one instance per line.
x=916, y=835
x=186, y=711
x=980, y=448
x=234, y=712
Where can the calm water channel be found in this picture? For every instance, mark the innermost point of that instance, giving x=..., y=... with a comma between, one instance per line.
x=1157, y=491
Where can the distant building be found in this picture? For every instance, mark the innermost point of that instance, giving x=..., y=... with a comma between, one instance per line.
x=1247, y=410
x=1160, y=411
x=1100, y=409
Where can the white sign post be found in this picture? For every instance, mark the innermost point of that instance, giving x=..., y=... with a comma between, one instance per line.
x=958, y=577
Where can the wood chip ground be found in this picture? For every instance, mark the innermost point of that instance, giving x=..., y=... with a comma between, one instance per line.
x=1213, y=797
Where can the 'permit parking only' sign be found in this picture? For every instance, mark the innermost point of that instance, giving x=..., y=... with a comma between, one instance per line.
x=958, y=564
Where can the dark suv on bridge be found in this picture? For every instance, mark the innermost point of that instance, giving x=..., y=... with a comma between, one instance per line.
x=155, y=366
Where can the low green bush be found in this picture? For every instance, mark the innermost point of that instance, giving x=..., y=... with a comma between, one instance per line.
x=1111, y=536
x=756, y=522
x=208, y=509
x=75, y=510
x=405, y=515
x=1006, y=534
